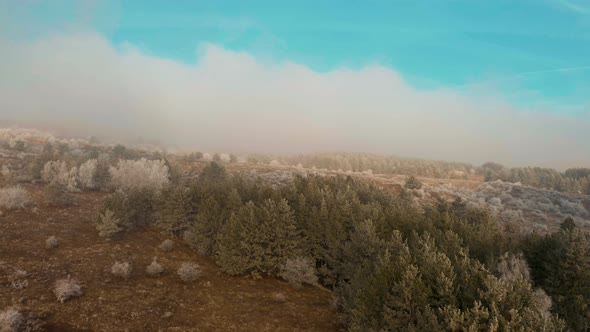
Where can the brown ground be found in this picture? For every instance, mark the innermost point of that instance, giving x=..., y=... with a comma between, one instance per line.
x=216, y=302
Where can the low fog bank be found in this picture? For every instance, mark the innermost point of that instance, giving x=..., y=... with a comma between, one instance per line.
x=231, y=102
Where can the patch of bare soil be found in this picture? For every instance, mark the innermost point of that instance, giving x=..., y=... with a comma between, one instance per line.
x=215, y=302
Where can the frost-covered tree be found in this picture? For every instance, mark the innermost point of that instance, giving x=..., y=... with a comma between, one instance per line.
x=86, y=174
x=140, y=174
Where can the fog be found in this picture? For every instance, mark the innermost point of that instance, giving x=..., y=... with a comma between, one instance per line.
x=229, y=101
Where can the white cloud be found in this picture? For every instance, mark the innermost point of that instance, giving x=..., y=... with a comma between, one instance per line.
x=231, y=101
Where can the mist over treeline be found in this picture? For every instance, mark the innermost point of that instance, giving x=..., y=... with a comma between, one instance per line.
x=233, y=101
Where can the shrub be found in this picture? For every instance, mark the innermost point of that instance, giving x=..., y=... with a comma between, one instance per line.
x=57, y=171
x=86, y=174
x=5, y=171
x=51, y=242
x=298, y=271
x=17, y=279
x=108, y=225
x=11, y=320
x=66, y=289
x=413, y=183
x=14, y=198
x=189, y=272
x=279, y=297
x=140, y=174
x=122, y=270
x=167, y=245
x=154, y=269
x=57, y=194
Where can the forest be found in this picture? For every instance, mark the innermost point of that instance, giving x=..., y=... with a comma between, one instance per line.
x=392, y=265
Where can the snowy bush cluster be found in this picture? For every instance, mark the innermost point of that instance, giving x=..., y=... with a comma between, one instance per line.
x=12, y=137
x=140, y=174
x=360, y=162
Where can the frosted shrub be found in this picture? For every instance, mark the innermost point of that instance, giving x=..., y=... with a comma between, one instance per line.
x=5, y=171
x=279, y=297
x=121, y=270
x=298, y=271
x=13, y=198
x=189, y=272
x=140, y=174
x=108, y=225
x=57, y=172
x=512, y=267
x=167, y=245
x=154, y=269
x=86, y=174
x=51, y=242
x=66, y=289
x=11, y=320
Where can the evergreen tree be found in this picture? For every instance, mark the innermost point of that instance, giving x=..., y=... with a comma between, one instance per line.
x=258, y=240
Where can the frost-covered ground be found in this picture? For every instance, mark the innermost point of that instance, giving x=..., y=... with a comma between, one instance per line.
x=536, y=208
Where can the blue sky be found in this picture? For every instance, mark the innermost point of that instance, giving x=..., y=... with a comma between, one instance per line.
x=500, y=80
x=536, y=53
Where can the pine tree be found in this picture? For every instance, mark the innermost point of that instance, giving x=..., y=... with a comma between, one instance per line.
x=175, y=210
x=258, y=240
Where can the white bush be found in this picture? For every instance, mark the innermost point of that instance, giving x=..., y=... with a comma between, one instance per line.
x=10, y=320
x=57, y=171
x=189, y=272
x=167, y=245
x=122, y=270
x=86, y=174
x=512, y=267
x=154, y=269
x=279, y=297
x=298, y=271
x=14, y=198
x=140, y=174
x=51, y=242
x=66, y=289
x=5, y=171
x=225, y=157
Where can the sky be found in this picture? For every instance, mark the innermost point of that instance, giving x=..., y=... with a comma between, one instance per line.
x=450, y=79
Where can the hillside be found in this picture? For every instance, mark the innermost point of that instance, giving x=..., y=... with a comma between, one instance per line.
x=277, y=247
x=141, y=303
